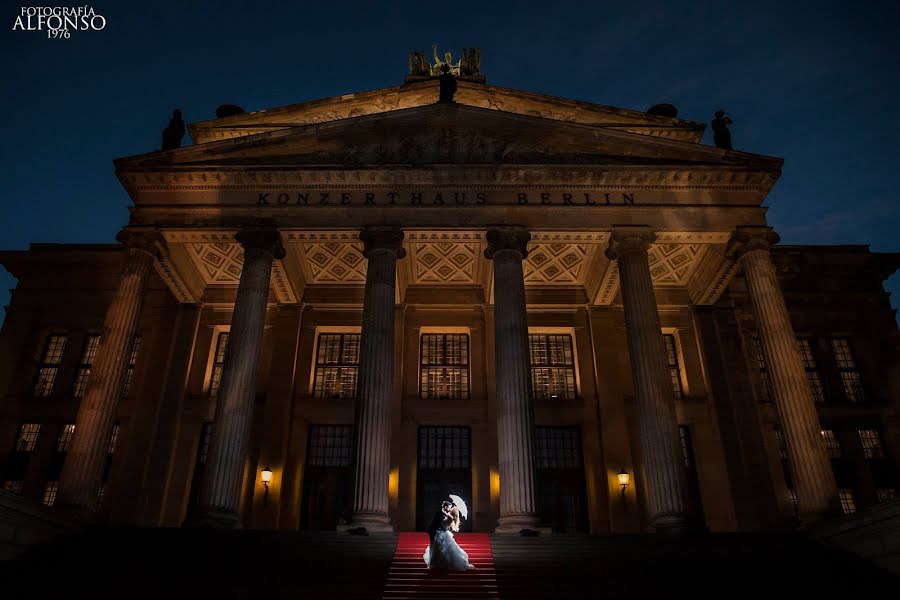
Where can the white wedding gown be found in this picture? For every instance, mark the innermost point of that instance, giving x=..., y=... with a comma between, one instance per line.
x=445, y=553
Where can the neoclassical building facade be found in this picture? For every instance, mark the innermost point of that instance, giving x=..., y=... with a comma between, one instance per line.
x=332, y=314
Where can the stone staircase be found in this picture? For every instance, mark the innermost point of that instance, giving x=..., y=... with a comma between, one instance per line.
x=132, y=562
x=409, y=578
x=697, y=566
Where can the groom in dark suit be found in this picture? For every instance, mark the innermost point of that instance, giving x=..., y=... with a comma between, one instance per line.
x=440, y=520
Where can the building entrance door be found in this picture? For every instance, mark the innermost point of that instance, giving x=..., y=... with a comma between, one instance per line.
x=328, y=477
x=444, y=468
x=560, y=479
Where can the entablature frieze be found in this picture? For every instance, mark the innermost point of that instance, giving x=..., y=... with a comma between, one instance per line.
x=518, y=177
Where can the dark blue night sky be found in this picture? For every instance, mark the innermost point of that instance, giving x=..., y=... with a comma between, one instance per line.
x=814, y=83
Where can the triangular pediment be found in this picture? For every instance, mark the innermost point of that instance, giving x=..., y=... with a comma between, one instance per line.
x=445, y=134
x=385, y=100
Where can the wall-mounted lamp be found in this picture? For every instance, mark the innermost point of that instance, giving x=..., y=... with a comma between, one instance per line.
x=624, y=478
x=266, y=476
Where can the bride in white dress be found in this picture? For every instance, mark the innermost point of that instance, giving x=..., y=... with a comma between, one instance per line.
x=444, y=552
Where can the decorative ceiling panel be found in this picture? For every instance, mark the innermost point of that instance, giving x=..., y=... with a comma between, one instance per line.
x=218, y=262
x=335, y=262
x=672, y=264
x=555, y=263
x=444, y=262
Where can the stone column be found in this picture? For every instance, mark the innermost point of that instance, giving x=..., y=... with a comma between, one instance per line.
x=515, y=410
x=83, y=470
x=811, y=469
x=220, y=490
x=383, y=246
x=664, y=476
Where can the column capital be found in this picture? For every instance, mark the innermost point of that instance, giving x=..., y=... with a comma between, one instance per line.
x=382, y=238
x=151, y=242
x=507, y=238
x=749, y=238
x=630, y=238
x=265, y=239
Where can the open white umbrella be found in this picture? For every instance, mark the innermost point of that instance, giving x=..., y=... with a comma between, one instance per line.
x=461, y=505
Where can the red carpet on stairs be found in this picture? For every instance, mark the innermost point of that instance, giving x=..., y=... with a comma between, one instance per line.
x=410, y=578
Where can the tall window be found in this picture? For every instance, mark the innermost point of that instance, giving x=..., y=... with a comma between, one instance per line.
x=330, y=446
x=84, y=366
x=132, y=361
x=16, y=466
x=28, y=436
x=444, y=366
x=557, y=448
x=763, y=369
x=552, y=366
x=337, y=366
x=847, y=368
x=49, y=497
x=783, y=459
x=54, y=469
x=848, y=503
x=443, y=447
x=215, y=378
x=674, y=367
x=831, y=443
x=871, y=443
x=49, y=367
x=812, y=372
x=64, y=441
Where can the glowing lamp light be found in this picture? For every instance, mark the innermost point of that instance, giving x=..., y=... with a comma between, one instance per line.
x=266, y=476
x=624, y=479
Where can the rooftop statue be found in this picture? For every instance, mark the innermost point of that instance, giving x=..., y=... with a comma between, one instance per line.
x=469, y=64
x=721, y=133
x=174, y=131
x=438, y=63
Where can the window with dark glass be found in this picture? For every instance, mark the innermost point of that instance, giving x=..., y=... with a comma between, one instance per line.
x=871, y=443
x=785, y=468
x=443, y=447
x=763, y=370
x=337, y=366
x=557, y=448
x=848, y=502
x=88, y=352
x=552, y=366
x=444, y=366
x=674, y=366
x=831, y=443
x=215, y=377
x=846, y=365
x=49, y=366
x=49, y=497
x=812, y=371
x=132, y=361
x=886, y=494
x=330, y=446
x=17, y=464
x=28, y=436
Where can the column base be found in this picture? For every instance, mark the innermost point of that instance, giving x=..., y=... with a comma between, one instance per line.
x=677, y=523
x=514, y=524
x=377, y=523
x=218, y=519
